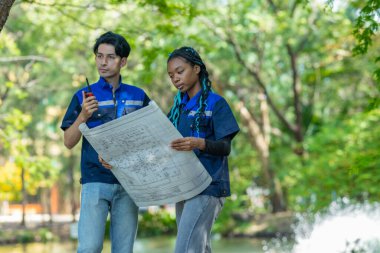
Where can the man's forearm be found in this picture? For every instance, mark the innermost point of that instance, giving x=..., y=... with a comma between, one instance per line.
x=72, y=134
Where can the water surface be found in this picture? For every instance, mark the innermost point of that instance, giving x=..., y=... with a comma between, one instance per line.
x=148, y=245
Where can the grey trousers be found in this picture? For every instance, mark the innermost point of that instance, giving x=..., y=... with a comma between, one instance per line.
x=195, y=218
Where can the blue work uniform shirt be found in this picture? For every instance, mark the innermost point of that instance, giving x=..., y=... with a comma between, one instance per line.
x=216, y=123
x=125, y=99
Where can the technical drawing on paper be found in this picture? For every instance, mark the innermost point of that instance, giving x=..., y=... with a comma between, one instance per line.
x=137, y=146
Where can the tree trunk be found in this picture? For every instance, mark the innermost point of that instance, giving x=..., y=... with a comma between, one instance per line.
x=47, y=206
x=72, y=187
x=5, y=7
x=260, y=140
x=23, y=192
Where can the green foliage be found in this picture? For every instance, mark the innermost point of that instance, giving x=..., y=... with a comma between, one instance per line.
x=44, y=235
x=20, y=235
x=366, y=28
x=25, y=236
x=367, y=24
x=108, y=229
x=156, y=223
x=40, y=171
x=342, y=162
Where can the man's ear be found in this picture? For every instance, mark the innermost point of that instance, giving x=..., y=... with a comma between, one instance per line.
x=123, y=61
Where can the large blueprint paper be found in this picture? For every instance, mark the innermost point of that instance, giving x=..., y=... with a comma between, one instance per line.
x=137, y=146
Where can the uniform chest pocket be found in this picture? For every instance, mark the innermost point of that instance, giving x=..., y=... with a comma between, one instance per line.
x=103, y=115
x=203, y=127
x=129, y=109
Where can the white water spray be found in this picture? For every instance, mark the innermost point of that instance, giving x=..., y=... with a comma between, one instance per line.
x=342, y=229
x=352, y=229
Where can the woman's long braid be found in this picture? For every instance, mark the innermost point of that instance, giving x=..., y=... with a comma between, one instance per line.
x=190, y=55
x=175, y=110
x=206, y=87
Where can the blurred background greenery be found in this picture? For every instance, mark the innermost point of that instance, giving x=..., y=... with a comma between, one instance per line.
x=301, y=77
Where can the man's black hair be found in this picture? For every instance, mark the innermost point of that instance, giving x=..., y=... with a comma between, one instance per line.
x=121, y=45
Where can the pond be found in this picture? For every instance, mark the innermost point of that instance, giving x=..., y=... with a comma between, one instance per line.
x=351, y=228
x=150, y=245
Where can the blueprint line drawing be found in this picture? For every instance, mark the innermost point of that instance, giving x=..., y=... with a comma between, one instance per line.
x=137, y=145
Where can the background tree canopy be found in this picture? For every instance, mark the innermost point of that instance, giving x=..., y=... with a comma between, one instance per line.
x=305, y=103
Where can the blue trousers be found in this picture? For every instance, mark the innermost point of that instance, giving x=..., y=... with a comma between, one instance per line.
x=195, y=218
x=97, y=200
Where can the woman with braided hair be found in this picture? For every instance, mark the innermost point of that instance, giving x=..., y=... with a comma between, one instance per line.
x=206, y=121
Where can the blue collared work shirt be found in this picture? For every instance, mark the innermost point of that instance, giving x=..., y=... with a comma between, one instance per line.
x=216, y=123
x=127, y=98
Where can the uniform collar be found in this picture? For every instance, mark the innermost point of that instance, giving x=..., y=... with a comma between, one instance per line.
x=190, y=104
x=103, y=83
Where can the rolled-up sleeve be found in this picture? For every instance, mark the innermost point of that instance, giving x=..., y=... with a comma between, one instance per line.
x=224, y=121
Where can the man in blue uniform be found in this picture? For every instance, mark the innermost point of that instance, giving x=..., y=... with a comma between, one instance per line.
x=101, y=192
